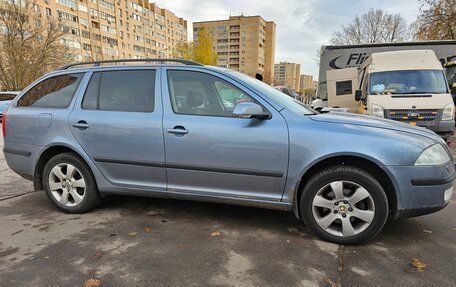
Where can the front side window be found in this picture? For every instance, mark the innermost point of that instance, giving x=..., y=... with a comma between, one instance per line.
x=274, y=94
x=54, y=92
x=122, y=91
x=408, y=82
x=196, y=93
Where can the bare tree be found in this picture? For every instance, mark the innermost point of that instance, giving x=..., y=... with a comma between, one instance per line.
x=375, y=26
x=30, y=45
x=437, y=20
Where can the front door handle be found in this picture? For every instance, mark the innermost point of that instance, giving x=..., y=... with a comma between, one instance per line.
x=81, y=125
x=178, y=130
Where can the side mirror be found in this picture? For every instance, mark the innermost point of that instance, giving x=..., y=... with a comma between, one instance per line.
x=358, y=95
x=248, y=110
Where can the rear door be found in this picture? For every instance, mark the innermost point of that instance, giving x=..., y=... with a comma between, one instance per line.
x=118, y=123
x=211, y=152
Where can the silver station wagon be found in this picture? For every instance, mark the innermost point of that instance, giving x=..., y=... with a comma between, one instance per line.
x=177, y=129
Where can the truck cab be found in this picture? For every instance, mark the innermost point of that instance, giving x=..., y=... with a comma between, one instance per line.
x=406, y=86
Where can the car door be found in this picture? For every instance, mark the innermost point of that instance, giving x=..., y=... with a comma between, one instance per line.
x=211, y=152
x=117, y=122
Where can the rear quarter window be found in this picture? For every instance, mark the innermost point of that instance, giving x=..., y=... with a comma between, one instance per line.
x=7, y=97
x=53, y=92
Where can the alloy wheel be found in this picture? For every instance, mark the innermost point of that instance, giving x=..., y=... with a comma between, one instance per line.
x=67, y=184
x=343, y=208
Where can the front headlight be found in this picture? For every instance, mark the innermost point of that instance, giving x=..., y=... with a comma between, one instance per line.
x=433, y=155
x=448, y=112
x=377, y=111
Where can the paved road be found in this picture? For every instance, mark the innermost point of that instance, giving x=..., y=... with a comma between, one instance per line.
x=154, y=242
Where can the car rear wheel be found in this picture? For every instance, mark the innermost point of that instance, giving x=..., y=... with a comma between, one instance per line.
x=69, y=184
x=344, y=205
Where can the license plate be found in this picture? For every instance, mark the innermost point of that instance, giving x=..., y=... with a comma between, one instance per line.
x=413, y=123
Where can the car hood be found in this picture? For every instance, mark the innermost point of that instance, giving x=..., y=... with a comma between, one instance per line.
x=362, y=120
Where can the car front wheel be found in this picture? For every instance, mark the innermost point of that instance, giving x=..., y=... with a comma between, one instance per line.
x=344, y=205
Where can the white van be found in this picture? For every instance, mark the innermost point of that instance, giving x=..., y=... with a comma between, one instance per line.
x=407, y=86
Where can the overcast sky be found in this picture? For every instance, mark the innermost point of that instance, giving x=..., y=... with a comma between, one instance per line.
x=302, y=25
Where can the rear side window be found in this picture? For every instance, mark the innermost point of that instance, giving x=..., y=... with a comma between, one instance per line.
x=123, y=91
x=54, y=92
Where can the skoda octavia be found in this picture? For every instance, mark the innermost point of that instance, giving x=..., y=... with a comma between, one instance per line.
x=177, y=129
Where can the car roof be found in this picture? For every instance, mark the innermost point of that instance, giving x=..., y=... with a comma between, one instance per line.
x=131, y=66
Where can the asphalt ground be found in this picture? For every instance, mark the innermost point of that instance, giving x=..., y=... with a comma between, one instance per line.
x=133, y=241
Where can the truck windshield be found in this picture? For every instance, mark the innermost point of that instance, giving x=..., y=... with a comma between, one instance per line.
x=408, y=82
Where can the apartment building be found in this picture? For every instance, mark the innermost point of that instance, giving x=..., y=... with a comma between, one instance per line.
x=243, y=43
x=109, y=29
x=307, y=82
x=288, y=75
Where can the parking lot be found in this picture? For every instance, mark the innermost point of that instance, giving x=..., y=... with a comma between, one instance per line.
x=132, y=241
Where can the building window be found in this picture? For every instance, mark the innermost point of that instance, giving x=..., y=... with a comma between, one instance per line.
x=83, y=8
x=68, y=3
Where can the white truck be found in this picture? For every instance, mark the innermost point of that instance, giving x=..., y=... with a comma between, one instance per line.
x=354, y=56
x=407, y=86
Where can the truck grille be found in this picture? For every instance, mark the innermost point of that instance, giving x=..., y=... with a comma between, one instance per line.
x=424, y=115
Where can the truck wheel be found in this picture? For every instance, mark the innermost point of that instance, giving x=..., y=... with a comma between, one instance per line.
x=69, y=184
x=344, y=205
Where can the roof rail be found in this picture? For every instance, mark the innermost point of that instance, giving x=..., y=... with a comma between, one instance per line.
x=97, y=63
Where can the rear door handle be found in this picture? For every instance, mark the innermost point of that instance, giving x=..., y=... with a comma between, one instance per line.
x=81, y=125
x=178, y=130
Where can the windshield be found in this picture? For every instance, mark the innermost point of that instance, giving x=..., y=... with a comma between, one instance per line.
x=408, y=82
x=283, y=99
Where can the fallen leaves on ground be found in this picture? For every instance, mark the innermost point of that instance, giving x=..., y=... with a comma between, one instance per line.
x=418, y=264
x=92, y=282
x=132, y=233
x=98, y=254
x=215, y=233
x=331, y=283
x=147, y=229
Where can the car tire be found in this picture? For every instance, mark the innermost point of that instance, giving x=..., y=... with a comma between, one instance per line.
x=70, y=184
x=344, y=205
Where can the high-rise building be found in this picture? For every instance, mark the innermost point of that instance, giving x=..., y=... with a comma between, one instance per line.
x=306, y=82
x=109, y=29
x=288, y=75
x=243, y=43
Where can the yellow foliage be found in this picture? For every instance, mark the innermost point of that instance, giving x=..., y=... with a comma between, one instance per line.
x=200, y=51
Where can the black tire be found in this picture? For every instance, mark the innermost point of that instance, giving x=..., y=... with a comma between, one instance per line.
x=92, y=196
x=357, y=176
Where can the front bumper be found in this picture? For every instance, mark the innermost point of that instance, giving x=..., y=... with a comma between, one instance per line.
x=422, y=189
